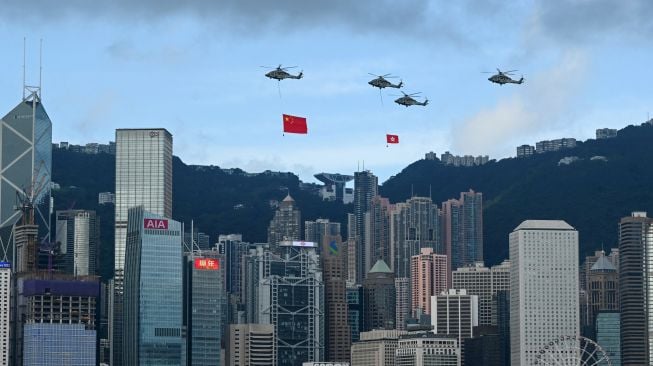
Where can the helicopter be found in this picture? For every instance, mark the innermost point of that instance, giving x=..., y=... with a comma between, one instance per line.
x=407, y=100
x=380, y=82
x=279, y=73
x=503, y=78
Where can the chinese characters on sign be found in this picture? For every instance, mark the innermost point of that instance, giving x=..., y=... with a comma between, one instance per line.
x=207, y=263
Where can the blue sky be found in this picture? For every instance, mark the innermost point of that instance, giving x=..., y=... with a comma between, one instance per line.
x=193, y=68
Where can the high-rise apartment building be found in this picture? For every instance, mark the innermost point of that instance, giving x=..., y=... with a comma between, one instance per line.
x=454, y=313
x=403, y=302
x=376, y=348
x=544, y=300
x=415, y=225
x=26, y=163
x=78, y=231
x=462, y=222
x=377, y=232
x=485, y=283
x=426, y=348
x=251, y=345
x=351, y=250
x=5, y=306
x=379, y=298
x=153, y=292
x=143, y=178
x=286, y=290
x=315, y=231
x=429, y=278
x=204, y=307
x=286, y=223
x=337, y=332
x=635, y=295
x=366, y=186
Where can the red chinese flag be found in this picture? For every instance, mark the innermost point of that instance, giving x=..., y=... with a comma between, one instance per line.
x=392, y=139
x=294, y=124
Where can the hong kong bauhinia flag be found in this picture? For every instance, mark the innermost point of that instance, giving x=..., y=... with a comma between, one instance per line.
x=294, y=124
x=392, y=139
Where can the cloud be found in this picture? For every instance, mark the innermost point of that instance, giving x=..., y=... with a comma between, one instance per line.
x=244, y=16
x=540, y=104
x=573, y=21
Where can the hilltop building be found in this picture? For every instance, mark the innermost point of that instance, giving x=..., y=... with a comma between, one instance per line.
x=334, y=188
x=606, y=133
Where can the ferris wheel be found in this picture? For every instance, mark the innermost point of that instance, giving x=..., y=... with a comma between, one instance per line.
x=572, y=351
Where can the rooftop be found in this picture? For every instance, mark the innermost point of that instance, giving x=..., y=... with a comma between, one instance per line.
x=544, y=225
x=380, y=267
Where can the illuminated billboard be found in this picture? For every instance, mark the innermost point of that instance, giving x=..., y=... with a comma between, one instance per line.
x=5, y=265
x=301, y=243
x=207, y=263
x=159, y=224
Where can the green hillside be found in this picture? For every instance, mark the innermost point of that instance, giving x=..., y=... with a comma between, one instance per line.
x=589, y=194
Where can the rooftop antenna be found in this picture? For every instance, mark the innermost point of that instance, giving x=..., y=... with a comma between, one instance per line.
x=430, y=193
x=40, y=65
x=24, y=52
x=32, y=92
x=412, y=194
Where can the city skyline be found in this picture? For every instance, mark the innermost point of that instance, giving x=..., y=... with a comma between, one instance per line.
x=568, y=61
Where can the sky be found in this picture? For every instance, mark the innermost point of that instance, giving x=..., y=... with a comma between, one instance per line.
x=193, y=67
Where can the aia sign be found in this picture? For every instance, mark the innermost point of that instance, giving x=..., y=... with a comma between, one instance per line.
x=207, y=263
x=159, y=224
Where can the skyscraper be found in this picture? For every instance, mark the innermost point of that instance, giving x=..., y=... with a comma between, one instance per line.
x=286, y=223
x=608, y=336
x=204, y=303
x=78, y=231
x=355, y=310
x=26, y=166
x=315, y=231
x=429, y=278
x=143, y=178
x=485, y=283
x=403, y=302
x=377, y=232
x=543, y=286
x=415, y=225
x=366, y=186
x=603, y=288
x=455, y=313
x=153, y=298
x=58, y=310
x=635, y=295
x=5, y=306
x=379, y=298
x=337, y=333
x=251, y=345
x=287, y=291
x=463, y=229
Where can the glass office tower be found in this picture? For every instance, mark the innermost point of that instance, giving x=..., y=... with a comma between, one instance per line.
x=153, y=295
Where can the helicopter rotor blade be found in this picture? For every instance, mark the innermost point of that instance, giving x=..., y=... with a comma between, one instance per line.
x=505, y=72
x=288, y=67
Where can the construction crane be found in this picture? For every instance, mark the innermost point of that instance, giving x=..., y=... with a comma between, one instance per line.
x=27, y=231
